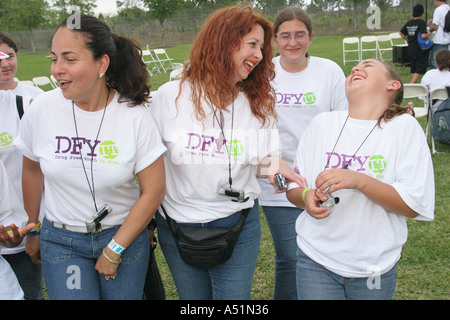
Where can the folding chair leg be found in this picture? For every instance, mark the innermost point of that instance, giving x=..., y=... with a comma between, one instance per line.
x=428, y=132
x=433, y=149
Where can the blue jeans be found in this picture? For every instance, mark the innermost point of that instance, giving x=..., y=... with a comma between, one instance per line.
x=281, y=221
x=314, y=282
x=434, y=49
x=68, y=264
x=228, y=281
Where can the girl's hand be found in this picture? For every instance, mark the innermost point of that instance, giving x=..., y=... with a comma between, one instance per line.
x=312, y=204
x=337, y=179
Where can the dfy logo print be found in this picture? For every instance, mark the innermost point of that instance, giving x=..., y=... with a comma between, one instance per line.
x=69, y=148
x=6, y=140
x=309, y=98
x=377, y=164
x=109, y=150
x=296, y=100
x=236, y=148
x=374, y=165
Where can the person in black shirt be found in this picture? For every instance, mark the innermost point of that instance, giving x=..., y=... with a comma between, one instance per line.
x=409, y=32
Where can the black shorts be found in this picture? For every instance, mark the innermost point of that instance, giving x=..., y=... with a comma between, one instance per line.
x=419, y=60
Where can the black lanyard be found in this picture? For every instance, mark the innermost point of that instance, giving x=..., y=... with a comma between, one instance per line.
x=91, y=187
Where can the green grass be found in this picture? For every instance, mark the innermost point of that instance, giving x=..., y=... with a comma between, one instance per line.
x=423, y=272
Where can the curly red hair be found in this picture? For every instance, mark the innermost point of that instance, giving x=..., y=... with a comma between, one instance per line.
x=209, y=67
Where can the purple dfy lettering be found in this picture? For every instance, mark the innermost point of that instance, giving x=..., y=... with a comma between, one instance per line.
x=192, y=138
x=74, y=145
x=362, y=162
x=297, y=98
x=340, y=160
x=195, y=141
x=219, y=144
x=63, y=141
x=92, y=148
x=288, y=98
x=207, y=140
x=77, y=144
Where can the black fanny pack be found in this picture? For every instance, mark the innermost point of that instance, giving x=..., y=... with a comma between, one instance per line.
x=205, y=247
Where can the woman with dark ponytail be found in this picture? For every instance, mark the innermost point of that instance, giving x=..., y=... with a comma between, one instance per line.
x=86, y=142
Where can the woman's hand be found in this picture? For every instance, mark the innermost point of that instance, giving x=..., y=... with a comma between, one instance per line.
x=107, y=263
x=274, y=165
x=12, y=236
x=33, y=249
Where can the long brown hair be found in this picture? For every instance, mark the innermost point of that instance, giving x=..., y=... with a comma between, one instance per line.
x=394, y=108
x=209, y=67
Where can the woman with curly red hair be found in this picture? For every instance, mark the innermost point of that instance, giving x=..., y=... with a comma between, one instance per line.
x=218, y=123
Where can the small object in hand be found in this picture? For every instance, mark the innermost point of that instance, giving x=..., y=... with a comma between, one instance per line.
x=280, y=180
x=330, y=202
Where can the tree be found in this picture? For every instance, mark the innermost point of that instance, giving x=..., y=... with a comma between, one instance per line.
x=66, y=8
x=23, y=15
x=161, y=10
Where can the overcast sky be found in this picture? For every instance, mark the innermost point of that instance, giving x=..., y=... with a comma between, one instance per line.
x=106, y=7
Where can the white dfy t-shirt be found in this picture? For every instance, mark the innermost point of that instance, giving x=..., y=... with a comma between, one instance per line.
x=198, y=157
x=128, y=142
x=360, y=236
x=299, y=98
x=10, y=155
x=11, y=211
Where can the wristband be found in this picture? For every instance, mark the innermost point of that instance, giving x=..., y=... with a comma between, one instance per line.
x=115, y=247
x=36, y=230
x=304, y=193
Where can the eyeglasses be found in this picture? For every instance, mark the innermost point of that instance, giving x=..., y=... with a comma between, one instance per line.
x=299, y=37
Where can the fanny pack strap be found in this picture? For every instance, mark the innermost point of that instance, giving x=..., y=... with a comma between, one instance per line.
x=238, y=225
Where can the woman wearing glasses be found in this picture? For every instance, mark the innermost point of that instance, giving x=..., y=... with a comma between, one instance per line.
x=305, y=86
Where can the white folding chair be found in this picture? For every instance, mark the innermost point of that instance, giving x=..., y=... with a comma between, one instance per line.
x=384, y=46
x=175, y=74
x=368, y=44
x=416, y=90
x=350, y=45
x=164, y=61
x=396, y=38
x=435, y=94
x=43, y=81
x=55, y=82
x=150, y=61
x=177, y=65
